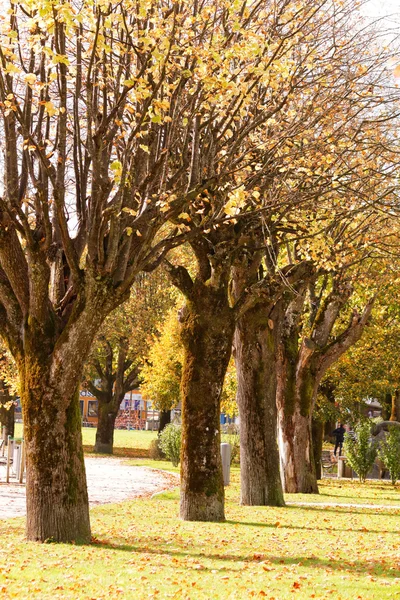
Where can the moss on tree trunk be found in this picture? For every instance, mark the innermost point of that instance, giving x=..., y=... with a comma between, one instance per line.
x=255, y=355
x=56, y=491
x=207, y=333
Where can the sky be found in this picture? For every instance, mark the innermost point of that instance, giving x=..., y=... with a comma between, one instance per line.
x=381, y=8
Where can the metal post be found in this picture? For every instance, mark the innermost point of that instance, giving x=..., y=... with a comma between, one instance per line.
x=22, y=462
x=340, y=467
x=226, y=462
x=4, y=438
x=8, y=458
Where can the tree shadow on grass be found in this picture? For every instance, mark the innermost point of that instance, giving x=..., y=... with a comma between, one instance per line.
x=359, y=498
x=356, y=567
x=341, y=509
x=311, y=527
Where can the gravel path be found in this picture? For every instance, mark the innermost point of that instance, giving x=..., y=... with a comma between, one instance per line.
x=109, y=480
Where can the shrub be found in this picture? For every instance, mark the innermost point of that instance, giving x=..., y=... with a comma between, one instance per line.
x=389, y=453
x=155, y=451
x=170, y=442
x=360, y=451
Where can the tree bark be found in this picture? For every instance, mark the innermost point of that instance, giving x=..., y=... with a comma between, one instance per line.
x=301, y=367
x=207, y=334
x=317, y=429
x=56, y=491
x=165, y=419
x=7, y=412
x=255, y=356
x=50, y=372
x=297, y=453
x=107, y=415
x=295, y=390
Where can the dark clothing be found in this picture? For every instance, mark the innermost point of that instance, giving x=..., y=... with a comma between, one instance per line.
x=338, y=445
x=339, y=435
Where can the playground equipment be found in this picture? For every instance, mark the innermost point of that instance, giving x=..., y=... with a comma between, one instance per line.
x=14, y=459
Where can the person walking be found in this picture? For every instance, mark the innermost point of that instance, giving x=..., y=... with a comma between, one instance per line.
x=339, y=436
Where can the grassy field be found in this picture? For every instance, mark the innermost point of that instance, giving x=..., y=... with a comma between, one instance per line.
x=141, y=550
x=122, y=437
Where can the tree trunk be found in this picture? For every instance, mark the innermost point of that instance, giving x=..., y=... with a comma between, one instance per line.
x=255, y=356
x=207, y=334
x=297, y=453
x=295, y=392
x=56, y=492
x=7, y=412
x=107, y=415
x=165, y=419
x=50, y=373
x=317, y=428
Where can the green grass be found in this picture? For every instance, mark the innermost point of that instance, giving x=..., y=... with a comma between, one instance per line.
x=122, y=437
x=142, y=550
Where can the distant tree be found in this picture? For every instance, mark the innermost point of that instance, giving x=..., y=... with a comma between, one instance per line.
x=119, y=351
x=162, y=370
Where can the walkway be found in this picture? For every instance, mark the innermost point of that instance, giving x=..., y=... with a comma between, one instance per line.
x=109, y=480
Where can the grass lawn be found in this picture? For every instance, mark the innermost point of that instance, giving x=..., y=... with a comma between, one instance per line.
x=123, y=440
x=122, y=437
x=142, y=550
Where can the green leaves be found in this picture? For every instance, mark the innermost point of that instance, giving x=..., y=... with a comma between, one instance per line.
x=361, y=450
x=389, y=452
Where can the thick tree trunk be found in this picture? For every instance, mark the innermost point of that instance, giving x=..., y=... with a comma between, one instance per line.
x=207, y=334
x=255, y=356
x=165, y=419
x=56, y=491
x=317, y=428
x=50, y=373
x=107, y=415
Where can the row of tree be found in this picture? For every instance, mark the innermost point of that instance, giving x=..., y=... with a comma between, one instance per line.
x=259, y=134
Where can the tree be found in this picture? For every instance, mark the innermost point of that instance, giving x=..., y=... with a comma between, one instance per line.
x=371, y=369
x=119, y=352
x=283, y=179
x=161, y=373
x=100, y=118
x=304, y=359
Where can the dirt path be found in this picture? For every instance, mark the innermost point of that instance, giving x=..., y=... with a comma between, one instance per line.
x=109, y=480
